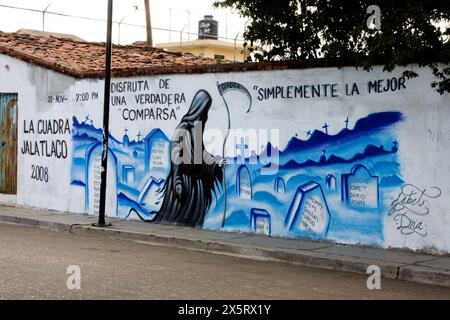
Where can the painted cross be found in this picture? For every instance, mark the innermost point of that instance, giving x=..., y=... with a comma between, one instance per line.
x=139, y=136
x=87, y=119
x=308, y=133
x=395, y=144
x=126, y=130
x=346, y=123
x=242, y=146
x=326, y=126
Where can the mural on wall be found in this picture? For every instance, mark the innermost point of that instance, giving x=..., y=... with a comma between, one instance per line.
x=137, y=170
x=191, y=182
x=328, y=186
x=156, y=179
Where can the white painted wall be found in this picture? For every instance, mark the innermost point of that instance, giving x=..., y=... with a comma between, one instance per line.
x=424, y=134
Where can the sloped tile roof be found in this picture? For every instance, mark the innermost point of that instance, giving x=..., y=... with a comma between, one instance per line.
x=81, y=59
x=86, y=59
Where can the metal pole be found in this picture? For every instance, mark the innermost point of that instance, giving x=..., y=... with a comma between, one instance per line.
x=104, y=166
x=226, y=27
x=43, y=19
x=170, y=23
x=189, y=24
x=181, y=36
x=234, y=56
x=120, y=22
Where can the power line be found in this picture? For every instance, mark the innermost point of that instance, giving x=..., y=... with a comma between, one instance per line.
x=104, y=21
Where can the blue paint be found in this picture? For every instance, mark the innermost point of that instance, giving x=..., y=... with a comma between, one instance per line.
x=133, y=159
x=93, y=151
x=244, y=188
x=260, y=221
x=391, y=181
x=326, y=126
x=279, y=185
x=128, y=174
x=308, y=214
x=242, y=147
x=315, y=173
x=331, y=182
x=373, y=123
x=360, y=189
x=320, y=164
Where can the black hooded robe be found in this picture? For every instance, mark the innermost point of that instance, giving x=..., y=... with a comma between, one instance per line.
x=192, y=167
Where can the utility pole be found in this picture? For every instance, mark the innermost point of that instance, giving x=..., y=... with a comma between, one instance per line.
x=104, y=166
x=149, y=23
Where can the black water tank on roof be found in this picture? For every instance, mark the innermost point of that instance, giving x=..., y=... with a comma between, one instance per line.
x=208, y=28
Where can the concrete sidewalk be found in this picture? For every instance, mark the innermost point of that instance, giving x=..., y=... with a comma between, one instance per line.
x=394, y=264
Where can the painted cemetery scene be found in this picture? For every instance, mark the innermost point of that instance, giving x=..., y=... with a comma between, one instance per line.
x=137, y=169
x=335, y=187
x=327, y=187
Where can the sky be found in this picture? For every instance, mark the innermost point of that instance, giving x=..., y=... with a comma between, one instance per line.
x=165, y=14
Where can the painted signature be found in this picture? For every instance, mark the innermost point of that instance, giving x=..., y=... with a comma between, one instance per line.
x=410, y=205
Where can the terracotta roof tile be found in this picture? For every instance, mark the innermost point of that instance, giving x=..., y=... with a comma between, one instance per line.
x=81, y=59
x=86, y=59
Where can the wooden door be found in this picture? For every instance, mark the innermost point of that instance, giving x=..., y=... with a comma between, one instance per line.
x=8, y=143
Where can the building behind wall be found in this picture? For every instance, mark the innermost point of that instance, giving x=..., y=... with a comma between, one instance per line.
x=208, y=48
x=208, y=44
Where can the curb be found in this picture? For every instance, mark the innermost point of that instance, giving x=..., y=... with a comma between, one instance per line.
x=307, y=258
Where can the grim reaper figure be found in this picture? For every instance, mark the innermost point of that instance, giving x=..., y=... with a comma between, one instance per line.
x=195, y=174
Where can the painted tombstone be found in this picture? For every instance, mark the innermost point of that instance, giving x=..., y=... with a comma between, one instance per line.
x=152, y=195
x=308, y=214
x=260, y=220
x=128, y=174
x=157, y=154
x=93, y=172
x=360, y=188
x=157, y=167
x=331, y=182
x=280, y=186
x=244, y=183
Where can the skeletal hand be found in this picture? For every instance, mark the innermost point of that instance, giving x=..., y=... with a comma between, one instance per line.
x=179, y=190
x=222, y=162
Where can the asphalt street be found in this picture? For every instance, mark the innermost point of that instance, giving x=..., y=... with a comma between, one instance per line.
x=34, y=264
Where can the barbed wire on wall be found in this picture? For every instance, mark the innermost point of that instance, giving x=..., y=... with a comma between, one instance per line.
x=120, y=23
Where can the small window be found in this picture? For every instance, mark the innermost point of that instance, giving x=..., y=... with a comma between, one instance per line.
x=219, y=57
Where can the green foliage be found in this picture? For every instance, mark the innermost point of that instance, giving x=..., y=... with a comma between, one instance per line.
x=411, y=31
